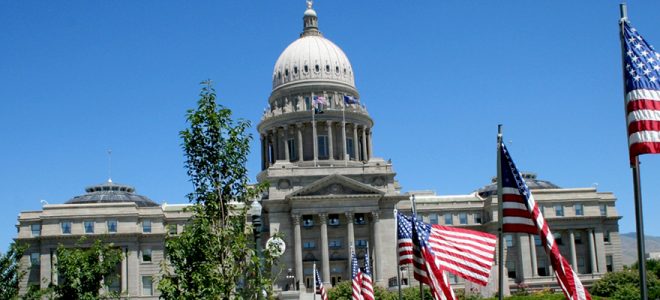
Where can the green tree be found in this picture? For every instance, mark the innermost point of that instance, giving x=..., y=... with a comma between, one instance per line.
x=82, y=269
x=625, y=285
x=214, y=258
x=344, y=291
x=10, y=271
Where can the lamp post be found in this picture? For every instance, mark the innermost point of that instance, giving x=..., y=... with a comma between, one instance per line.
x=291, y=277
x=255, y=213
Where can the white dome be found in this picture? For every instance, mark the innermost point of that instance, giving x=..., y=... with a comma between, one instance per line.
x=312, y=57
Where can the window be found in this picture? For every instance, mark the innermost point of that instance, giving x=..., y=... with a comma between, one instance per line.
x=147, y=286
x=309, y=244
x=609, y=263
x=578, y=237
x=36, y=229
x=171, y=229
x=542, y=208
x=557, y=237
x=509, y=240
x=582, y=268
x=336, y=269
x=333, y=220
x=306, y=68
x=334, y=244
x=603, y=209
x=360, y=243
x=462, y=218
x=433, y=218
x=579, y=210
x=323, y=146
x=89, y=226
x=35, y=259
x=448, y=219
x=537, y=240
x=511, y=268
x=477, y=218
x=308, y=221
x=146, y=226
x=542, y=267
x=360, y=219
x=66, y=227
x=317, y=68
x=349, y=148
x=559, y=210
x=606, y=236
x=293, y=152
x=453, y=279
x=146, y=255
x=112, y=226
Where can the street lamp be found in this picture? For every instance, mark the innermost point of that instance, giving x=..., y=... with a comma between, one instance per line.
x=291, y=277
x=255, y=213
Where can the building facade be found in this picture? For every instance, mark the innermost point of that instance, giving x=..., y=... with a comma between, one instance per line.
x=109, y=211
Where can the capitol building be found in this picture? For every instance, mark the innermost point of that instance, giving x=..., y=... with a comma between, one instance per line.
x=329, y=192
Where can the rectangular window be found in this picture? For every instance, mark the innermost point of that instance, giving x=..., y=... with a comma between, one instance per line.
x=477, y=218
x=146, y=255
x=448, y=219
x=360, y=243
x=349, y=148
x=603, y=210
x=36, y=230
x=89, y=226
x=578, y=237
x=35, y=259
x=557, y=237
x=323, y=146
x=112, y=226
x=582, y=268
x=66, y=227
x=609, y=263
x=293, y=152
x=579, y=210
x=146, y=226
x=308, y=103
x=509, y=240
x=360, y=219
x=559, y=210
x=542, y=208
x=462, y=218
x=147, y=286
x=333, y=220
x=172, y=229
x=433, y=218
x=334, y=244
x=308, y=221
x=537, y=240
x=453, y=279
x=606, y=236
x=542, y=267
x=511, y=269
x=309, y=244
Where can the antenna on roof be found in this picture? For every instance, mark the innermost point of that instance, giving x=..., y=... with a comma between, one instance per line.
x=109, y=165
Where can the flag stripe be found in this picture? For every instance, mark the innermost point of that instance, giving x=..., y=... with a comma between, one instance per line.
x=640, y=126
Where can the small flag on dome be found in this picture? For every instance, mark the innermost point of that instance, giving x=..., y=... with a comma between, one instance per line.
x=350, y=100
x=318, y=103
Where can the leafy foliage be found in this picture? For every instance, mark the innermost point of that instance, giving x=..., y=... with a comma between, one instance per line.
x=80, y=270
x=625, y=285
x=214, y=258
x=344, y=291
x=10, y=271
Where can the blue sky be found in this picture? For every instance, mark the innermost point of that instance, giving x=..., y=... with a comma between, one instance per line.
x=81, y=77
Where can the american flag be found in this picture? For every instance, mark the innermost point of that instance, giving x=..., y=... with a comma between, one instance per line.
x=320, y=289
x=428, y=263
x=367, y=282
x=568, y=280
x=404, y=239
x=466, y=253
x=356, y=277
x=642, y=92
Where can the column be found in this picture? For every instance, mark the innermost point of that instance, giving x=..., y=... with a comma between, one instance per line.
x=371, y=149
x=276, y=137
x=600, y=249
x=364, y=144
x=263, y=161
x=124, y=272
x=351, y=237
x=300, y=142
x=532, y=251
x=355, y=143
x=377, y=245
x=330, y=138
x=571, y=244
x=592, y=252
x=273, y=147
x=343, y=139
x=315, y=141
x=287, y=158
x=325, y=259
x=298, y=251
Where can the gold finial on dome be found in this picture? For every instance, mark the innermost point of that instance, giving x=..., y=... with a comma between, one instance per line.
x=309, y=4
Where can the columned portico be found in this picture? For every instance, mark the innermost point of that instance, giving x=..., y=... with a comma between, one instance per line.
x=592, y=251
x=532, y=250
x=571, y=244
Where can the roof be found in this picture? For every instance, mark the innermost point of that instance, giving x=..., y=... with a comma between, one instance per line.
x=110, y=192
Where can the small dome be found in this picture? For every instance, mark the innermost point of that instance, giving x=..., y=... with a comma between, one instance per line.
x=310, y=13
x=110, y=192
x=312, y=57
x=530, y=179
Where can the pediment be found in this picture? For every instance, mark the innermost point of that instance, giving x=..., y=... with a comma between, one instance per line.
x=336, y=185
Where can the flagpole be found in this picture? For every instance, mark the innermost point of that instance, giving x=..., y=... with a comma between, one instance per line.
x=315, y=141
x=343, y=132
x=414, y=211
x=396, y=248
x=637, y=185
x=314, y=272
x=500, y=246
